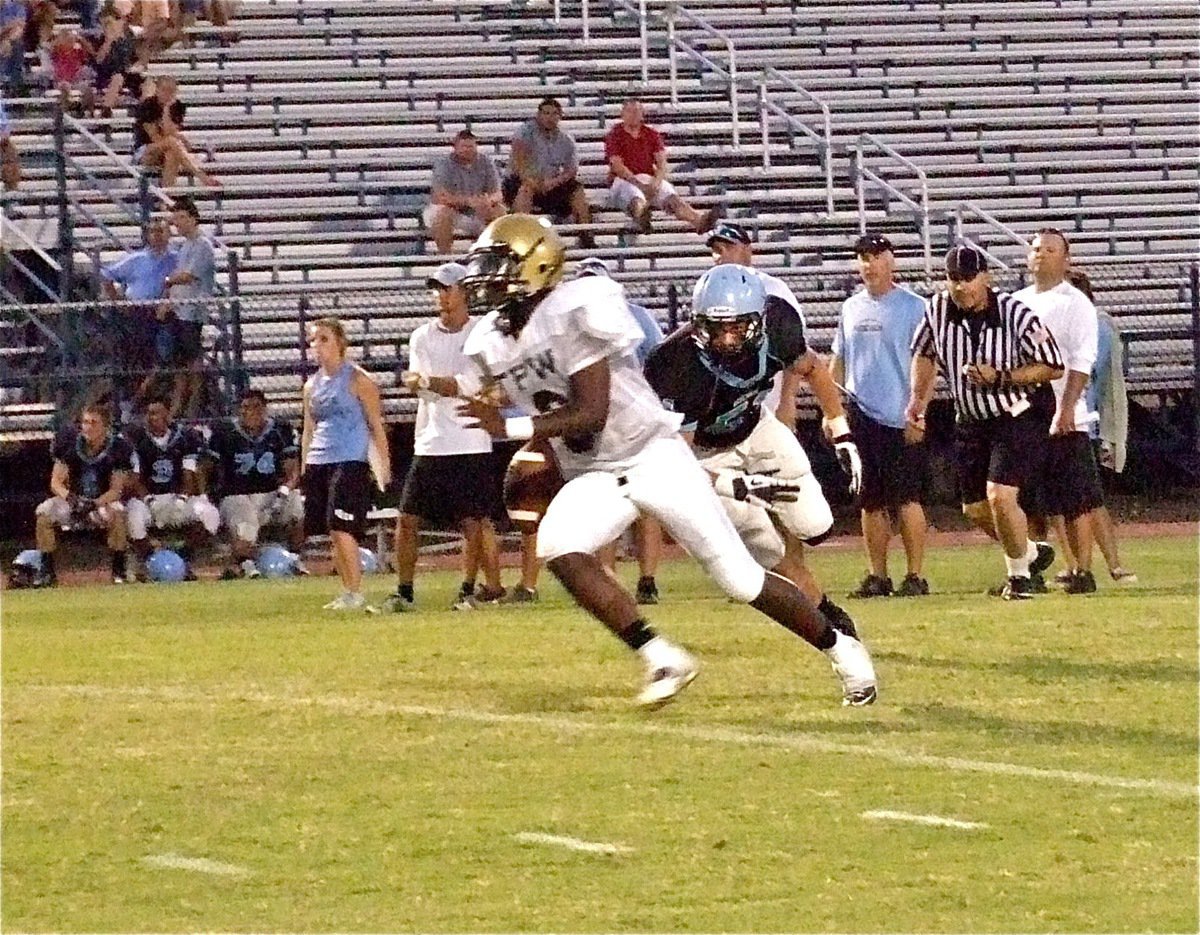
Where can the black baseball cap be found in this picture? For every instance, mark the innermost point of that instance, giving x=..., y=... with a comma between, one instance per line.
x=728, y=232
x=964, y=262
x=871, y=244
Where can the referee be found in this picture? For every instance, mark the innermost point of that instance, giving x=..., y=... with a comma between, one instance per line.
x=998, y=360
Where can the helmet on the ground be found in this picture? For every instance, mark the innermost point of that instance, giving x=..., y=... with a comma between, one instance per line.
x=367, y=561
x=26, y=569
x=727, y=309
x=274, y=561
x=516, y=260
x=165, y=565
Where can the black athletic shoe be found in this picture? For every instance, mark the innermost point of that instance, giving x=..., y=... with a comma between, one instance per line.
x=837, y=617
x=1043, y=560
x=397, y=603
x=913, y=586
x=647, y=591
x=1017, y=589
x=486, y=595
x=873, y=586
x=1082, y=582
x=1038, y=582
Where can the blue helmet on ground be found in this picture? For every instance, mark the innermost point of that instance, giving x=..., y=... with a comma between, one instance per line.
x=165, y=565
x=274, y=561
x=367, y=561
x=26, y=569
x=727, y=309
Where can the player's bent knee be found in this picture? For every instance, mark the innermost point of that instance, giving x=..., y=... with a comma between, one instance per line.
x=740, y=578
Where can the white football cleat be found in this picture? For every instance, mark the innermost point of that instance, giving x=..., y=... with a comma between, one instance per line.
x=348, y=601
x=672, y=671
x=852, y=664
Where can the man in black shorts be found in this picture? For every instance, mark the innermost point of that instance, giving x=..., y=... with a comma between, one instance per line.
x=998, y=360
x=452, y=480
x=543, y=169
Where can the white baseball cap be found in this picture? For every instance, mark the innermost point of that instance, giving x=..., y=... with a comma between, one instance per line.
x=448, y=274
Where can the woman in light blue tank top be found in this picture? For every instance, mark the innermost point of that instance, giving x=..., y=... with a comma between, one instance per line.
x=343, y=442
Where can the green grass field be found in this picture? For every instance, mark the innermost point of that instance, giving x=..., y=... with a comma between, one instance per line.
x=221, y=757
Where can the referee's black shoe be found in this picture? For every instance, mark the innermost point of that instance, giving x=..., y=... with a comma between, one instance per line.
x=1018, y=588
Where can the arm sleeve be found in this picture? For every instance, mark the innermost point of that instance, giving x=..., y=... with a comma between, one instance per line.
x=572, y=155
x=922, y=342
x=1036, y=342
x=1085, y=339
x=417, y=360
x=440, y=174
x=118, y=271
x=785, y=330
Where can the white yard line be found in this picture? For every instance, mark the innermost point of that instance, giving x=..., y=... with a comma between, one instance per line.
x=938, y=820
x=195, y=864
x=799, y=743
x=573, y=844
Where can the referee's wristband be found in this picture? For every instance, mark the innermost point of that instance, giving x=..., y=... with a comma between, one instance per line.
x=519, y=427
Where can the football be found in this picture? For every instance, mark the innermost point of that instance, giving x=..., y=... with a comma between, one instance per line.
x=530, y=483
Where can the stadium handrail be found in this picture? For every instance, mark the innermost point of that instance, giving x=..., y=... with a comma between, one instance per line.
x=824, y=141
x=863, y=174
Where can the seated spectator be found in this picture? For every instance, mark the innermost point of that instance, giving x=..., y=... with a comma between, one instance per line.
x=184, y=14
x=70, y=59
x=542, y=172
x=637, y=173
x=139, y=277
x=465, y=194
x=87, y=484
x=158, y=140
x=10, y=159
x=258, y=476
x=115, y=52
x=12, y=47
x=159, y=32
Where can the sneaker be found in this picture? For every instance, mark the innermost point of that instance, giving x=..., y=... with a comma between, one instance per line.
x=249, y=569
x=486, y=595
x=189, y=574
x=666, y=681
x=397, y=603
x=1043, y=560
x=1017, y=588
x=520, y=595
x=46, y=579
x=837, y=617
x=464, y=602
x=913, y=586
x=873, y=586
x=647, y=591
x=1064, y=576
x=300, y=570
x=852, y=664
x=644, y=223
x=118, y=579
x=1123, y=576
x=1082, y=582
x=348, y=601
x=1038, y=582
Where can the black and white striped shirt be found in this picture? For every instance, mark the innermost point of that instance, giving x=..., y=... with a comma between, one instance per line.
x=1006, y=335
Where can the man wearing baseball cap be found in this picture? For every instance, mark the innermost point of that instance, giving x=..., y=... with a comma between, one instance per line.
x=451, y=481
x=998, y=360
x=872, y=359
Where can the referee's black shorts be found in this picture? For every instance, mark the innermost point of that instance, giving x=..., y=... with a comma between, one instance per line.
x=337, y=497
x=1008, y=450
x=443, y=490
x=1069, y=485
x=894, y=472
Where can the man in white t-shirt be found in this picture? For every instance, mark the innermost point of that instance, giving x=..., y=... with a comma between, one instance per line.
x=451, y=479
x=1070, y=483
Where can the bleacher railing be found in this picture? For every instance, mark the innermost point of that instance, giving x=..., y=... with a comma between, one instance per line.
x=675, y=13
x=824, y=139
x=958, y=230
x=919, y=205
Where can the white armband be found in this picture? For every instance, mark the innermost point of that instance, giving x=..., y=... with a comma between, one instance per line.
x=519, y=427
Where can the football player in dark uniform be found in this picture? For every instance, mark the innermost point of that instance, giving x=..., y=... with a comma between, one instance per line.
x=258, y=470
x=717, y=370
x=91, y=468
x=165, y=489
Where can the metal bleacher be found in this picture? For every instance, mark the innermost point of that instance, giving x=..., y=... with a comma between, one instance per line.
x=323, y=119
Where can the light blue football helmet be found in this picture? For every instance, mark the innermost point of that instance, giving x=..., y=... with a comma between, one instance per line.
x=26, y=569
x=274, y=561
x=727, y=310
x=165, y=565
x=367, y=561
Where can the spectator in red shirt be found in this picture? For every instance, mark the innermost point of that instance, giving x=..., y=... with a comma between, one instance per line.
x=637, y=172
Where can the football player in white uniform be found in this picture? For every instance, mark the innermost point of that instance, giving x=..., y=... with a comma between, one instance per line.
x=565, y=350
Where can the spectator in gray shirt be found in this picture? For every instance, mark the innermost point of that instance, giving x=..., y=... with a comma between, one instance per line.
x=190, y=287
x=542, y=172
x=465, y=194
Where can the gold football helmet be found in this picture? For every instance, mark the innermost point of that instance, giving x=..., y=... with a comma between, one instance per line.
x=516, y=260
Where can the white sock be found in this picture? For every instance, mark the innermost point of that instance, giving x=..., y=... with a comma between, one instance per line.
x=1030, y=550
x=1018, y=567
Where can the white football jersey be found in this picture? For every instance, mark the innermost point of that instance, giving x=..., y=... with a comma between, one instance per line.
x=579, y=323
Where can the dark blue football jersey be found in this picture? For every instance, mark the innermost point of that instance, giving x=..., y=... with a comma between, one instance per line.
x=252, y=463
x=721, y=398
x=90, y=475
x=160, y=462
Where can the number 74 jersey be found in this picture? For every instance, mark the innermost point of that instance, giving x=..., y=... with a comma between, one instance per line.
x=579, y=323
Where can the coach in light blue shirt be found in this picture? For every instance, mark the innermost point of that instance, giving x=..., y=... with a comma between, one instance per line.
x=141, y=276
x=871, y=359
